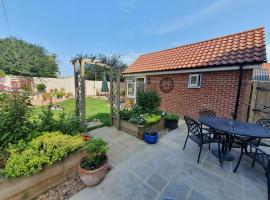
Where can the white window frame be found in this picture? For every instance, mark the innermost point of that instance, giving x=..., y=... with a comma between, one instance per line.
x=135, y=86
x=198, y=81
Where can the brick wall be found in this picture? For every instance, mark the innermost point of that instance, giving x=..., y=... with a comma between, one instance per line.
x=218, y=92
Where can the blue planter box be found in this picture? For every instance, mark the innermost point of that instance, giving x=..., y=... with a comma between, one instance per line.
x=151, y=139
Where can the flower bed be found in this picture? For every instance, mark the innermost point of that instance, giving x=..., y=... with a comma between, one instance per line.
x=34, y=167
x=139, y=130
x=29, y=187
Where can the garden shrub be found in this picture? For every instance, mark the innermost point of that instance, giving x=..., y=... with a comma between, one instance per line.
x=15, y=109
x=96, y=149
x=67, y=123
x=137, y=119
x=29, y=158
x=125, y=113
x=150, y=119
x=46, y=96
x=172, y=117
x=2, y=73
x=148, y=100
x=47, y=122
x=41, y=87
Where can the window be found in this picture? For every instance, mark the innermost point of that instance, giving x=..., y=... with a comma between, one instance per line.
x=139, y=84
x=131, y=89
x=135, y=85
x=194, y=81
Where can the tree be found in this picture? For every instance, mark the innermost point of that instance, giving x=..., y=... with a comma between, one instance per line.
x=18, y=57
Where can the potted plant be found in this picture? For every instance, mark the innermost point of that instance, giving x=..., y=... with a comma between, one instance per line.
x=94, y=165
x=151, y=137
x=171, y=121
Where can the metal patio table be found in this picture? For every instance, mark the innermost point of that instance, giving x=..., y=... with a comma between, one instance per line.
x=238, y=128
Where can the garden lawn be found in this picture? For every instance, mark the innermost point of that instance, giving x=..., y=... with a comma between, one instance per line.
x=95, y=108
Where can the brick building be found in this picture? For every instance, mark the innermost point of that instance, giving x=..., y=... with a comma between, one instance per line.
x=210, y=74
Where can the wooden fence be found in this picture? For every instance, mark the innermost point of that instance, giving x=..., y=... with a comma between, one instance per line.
x=257, y=101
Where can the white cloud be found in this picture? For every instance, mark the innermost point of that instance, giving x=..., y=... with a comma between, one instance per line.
x=130, y=57
x=126, y=6
x=195, y=17
x=268, y=52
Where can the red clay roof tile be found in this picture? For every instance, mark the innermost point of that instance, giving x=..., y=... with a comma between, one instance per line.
x=245, y=47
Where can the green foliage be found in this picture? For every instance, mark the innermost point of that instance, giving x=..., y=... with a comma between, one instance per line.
x=41, y=87
x=31, y=59
x=151, y=118
x=59, y=94
x=96, y=149
x=2, y=73
x=29, y=158
x=172, y=117
x=15, y=109
x=126, y=114
x=152, y=133
x=66, y=123
x=69, y=124
x=148, y=100
x=48, y=123
x=137, y=119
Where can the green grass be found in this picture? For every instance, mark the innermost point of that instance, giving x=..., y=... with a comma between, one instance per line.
x=95, y=108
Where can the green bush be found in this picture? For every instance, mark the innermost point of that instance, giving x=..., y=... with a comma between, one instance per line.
x=41, y=87
x=96, y=149
x=126, y=114
x=137, y=119
x=172, y=117
x=67, y=123
x=2, y=73
x=59, y=94
x=150, y=119
x=148, y=100
x=29, y=158
x=15, y=109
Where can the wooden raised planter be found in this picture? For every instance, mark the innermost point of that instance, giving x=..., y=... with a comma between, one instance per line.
x=29, y=187
x=138, y=130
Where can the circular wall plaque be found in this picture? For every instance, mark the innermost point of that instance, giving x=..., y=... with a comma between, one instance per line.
x=166, y=85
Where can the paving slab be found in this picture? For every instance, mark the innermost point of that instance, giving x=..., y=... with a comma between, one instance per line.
x=164, y=171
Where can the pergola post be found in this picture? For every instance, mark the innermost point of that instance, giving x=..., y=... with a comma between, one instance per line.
x=118, y=97
x=79, y=81
x=111, y=97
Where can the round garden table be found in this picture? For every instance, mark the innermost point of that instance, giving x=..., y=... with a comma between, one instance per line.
x=235, y=128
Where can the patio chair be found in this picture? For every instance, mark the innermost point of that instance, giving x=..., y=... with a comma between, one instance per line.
x=207, y=113
x=262, y=142
x=196, y=135
x=259, y=156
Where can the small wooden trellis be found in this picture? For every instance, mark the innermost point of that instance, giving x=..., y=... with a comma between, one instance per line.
x=79, y=78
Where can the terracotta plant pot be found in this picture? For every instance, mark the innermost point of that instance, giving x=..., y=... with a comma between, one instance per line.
x=93, y=177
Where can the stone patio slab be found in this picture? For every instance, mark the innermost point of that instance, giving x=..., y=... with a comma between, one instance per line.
x=164, y=171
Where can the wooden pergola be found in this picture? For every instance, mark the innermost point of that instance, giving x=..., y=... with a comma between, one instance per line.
x=79, y=65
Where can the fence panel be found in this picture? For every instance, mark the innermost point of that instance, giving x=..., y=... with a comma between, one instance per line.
x=257, y=102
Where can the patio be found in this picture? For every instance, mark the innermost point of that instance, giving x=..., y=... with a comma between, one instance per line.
x=165, y=171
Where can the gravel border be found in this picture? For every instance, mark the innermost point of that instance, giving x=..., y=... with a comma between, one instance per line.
x=63, y=191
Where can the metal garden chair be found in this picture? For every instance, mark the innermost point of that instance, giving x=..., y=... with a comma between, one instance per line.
x=259, y=156
x=196, y=135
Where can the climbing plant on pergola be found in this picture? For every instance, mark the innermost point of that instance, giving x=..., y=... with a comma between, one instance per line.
x=114, y=65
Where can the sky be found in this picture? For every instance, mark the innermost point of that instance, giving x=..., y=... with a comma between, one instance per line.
x=127, y=27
